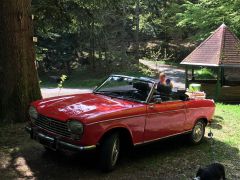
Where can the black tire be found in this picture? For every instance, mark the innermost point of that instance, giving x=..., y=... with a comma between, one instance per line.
x=198, y=131
x=109, y=152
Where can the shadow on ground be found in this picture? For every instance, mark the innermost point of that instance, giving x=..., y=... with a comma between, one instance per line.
x=216, y=124
x=168, y=159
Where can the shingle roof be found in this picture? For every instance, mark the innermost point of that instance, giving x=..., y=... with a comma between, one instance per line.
x=222, y=48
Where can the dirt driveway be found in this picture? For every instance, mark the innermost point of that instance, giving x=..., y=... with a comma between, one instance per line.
x=176, y=74
x=50, y=92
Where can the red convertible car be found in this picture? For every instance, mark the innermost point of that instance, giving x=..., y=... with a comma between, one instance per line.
x=121, y=111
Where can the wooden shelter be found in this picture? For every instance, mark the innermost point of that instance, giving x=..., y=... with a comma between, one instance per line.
x=220, y=52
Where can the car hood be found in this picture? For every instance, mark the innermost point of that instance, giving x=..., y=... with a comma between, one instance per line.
x=81, y=106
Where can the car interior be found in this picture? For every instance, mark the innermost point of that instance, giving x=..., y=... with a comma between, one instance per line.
x=166, y=94
x=138, y=90
x=143, y=90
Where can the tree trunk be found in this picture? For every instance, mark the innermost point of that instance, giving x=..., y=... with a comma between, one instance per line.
x=137, y=13
x=68, y=67
x=92, y=44
x=18, y=76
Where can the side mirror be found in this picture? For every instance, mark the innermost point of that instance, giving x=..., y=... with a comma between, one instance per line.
x=157, y=99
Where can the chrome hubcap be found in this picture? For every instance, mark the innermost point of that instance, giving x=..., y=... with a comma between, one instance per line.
x=115, y=152
x=198, y=132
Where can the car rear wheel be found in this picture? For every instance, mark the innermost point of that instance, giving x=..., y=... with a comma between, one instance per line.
x=198, y=132
x=109, y=152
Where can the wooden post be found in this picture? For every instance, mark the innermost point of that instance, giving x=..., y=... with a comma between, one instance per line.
x=193, y=78
x=222, y=76
x=186, y=77
x=218, y=84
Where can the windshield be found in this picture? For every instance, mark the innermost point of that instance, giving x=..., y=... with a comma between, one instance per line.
x=127, y=88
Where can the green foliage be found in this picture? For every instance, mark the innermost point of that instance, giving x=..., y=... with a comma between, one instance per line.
x=206, y=15
x=60, y=84
x=86, y=79
x=63, y=78
x=159, y=18
x=79, y=32
x=103, y=34
x=205, y=73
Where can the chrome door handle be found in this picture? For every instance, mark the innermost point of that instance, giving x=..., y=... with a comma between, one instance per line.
x=151, y=106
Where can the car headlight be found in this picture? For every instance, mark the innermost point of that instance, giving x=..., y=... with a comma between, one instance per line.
x=75, y=127
x=33, y=112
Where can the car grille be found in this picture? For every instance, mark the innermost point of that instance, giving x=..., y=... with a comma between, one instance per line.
x=52, y=125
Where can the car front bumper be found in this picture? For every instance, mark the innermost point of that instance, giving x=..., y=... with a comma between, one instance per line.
x=53, y=142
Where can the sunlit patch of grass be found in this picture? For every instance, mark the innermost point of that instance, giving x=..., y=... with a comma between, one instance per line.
x=230, y=132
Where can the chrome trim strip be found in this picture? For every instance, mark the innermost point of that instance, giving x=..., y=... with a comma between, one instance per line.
x=28, y=129
x=200, y=107
x=144, y=142
x=146, y=79
x=45, y=137
x=98, y=87
x=77, y=147
x=183, y=109
x=132, y=77
x=113, y=119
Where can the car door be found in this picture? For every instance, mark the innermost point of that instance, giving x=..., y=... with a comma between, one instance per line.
x=164, y=119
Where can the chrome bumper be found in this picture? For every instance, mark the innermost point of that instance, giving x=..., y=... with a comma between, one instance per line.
x=54, y=143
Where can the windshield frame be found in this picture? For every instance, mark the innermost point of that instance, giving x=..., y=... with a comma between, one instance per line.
x=144, y=79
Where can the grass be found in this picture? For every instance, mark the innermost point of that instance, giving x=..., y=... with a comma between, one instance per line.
x=23, y=158
x=76, y=80
x=205, y=73
x=86, y=79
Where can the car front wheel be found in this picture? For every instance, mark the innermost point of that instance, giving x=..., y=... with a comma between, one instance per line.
x=198, y=132
x=109, y=152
